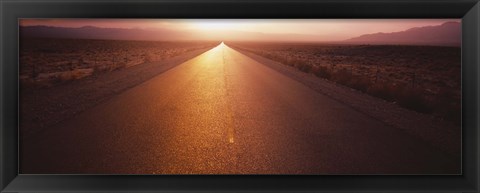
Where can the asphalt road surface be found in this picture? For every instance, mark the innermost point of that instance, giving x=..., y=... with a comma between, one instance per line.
x=224, y=113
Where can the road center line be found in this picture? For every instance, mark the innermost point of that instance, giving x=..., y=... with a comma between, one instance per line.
x=229, y=114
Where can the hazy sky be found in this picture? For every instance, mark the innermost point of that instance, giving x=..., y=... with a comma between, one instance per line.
x=328, y=29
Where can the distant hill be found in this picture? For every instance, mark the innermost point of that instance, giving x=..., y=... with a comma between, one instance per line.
x=447, y=34
x=90, y=32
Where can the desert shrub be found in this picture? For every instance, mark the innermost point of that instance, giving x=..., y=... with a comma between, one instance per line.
x=360, y=83
x=342, y=76
x=298, y=65
x=148, y=58
x=413, y=98
x=306, y=68
x=321, y=71
x=288, y=62
x=116, y=66
x=73, y=75
x=293, y=62
x=384, y=90
x=268, y=55
x=99, y=69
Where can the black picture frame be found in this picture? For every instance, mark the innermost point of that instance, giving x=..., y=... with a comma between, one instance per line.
x=467, y=10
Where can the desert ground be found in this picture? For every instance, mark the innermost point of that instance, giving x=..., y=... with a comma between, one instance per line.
x=426, y=79
x=48, y=62
x=238, y=108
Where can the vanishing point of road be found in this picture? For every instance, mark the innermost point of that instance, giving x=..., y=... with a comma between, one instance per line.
x=224, y=113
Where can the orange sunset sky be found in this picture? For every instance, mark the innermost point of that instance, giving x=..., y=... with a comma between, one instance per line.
x=327, y=29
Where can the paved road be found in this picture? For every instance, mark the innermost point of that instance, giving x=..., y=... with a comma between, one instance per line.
x=224, y=113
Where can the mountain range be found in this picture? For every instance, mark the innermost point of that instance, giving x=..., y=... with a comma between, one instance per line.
x=448, y=34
